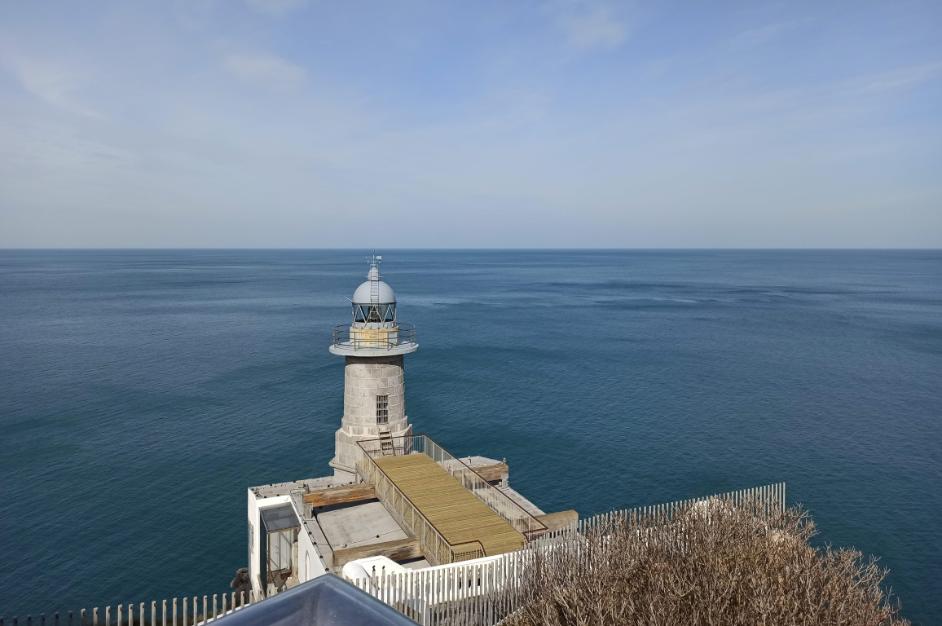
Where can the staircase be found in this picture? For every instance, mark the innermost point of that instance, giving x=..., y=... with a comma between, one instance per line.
x=386, y=443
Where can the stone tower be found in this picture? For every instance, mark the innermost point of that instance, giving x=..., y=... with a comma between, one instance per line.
x=373, y=346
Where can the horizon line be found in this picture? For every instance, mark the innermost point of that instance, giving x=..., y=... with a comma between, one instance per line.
x=474, y=249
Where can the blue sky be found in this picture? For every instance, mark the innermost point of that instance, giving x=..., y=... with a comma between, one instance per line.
x=285, y=123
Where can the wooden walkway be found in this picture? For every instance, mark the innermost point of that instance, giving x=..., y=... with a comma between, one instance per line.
x=458, y=514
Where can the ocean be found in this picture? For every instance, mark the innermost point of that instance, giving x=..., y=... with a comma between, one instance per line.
x=142, y=392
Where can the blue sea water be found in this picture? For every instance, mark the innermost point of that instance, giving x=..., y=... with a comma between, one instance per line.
x=141, y=392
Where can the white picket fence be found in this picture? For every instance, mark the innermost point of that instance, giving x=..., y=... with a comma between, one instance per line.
x=180, y=611
x=480, y=593
x=485, y=591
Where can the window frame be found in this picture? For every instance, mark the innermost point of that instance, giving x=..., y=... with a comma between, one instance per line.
x=382, y=408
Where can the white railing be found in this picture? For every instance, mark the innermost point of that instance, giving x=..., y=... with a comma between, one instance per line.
x=469, y=593
x=180, y=611
x=486, y=591
x=766, y=500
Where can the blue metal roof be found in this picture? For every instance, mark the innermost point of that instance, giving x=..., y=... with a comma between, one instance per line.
x=325, y=601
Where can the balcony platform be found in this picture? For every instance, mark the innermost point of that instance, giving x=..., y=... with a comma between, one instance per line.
x=352, y=349
x=456, y=512
x=372, y=340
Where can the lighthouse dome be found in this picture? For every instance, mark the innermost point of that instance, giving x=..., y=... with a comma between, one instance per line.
x=374, y=328
x=374, y=292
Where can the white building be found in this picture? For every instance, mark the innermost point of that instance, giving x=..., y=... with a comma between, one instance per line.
x=392, y=495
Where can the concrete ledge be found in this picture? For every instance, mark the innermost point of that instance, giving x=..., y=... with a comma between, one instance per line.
x=348, y=350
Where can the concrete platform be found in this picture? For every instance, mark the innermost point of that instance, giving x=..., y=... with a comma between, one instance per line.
x=525, y=504
x=359, y=525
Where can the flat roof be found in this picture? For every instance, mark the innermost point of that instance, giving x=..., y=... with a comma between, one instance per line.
x=280, y=517
x=359, y=525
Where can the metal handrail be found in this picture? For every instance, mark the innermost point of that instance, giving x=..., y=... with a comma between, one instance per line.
x=531, y=520
x=527, y=515
x=367, y=337
x=533, y=525
x=451, y=548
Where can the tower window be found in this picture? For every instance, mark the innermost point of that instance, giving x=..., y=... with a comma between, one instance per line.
x=382, y=409
x=374, y=312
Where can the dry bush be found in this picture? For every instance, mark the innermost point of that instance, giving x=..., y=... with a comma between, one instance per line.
x=711, y=565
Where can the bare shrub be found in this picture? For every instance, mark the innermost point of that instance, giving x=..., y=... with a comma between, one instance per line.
x=711, y=564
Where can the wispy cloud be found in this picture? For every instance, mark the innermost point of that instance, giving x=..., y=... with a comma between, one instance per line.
x=276, y=7
x=55, y=83
x=764, y=34
x=265, y=68
x=454, y=111
x=591, y=24
x=903, y=77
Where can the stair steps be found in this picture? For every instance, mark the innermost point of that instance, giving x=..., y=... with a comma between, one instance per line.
x=386, y=443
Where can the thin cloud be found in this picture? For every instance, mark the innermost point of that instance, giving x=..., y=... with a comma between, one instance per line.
x=762, y=35
x=591, y=25
x=265, y=68
x=904, y=77
x=56, y=84
x=276, y=7
x=517, y=113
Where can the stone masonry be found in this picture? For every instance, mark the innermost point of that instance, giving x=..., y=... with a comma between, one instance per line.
x=366, y=378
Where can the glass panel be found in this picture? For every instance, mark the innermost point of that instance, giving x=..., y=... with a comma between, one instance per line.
x=279, y=555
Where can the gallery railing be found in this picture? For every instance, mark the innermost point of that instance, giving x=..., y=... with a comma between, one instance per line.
x=373, y=338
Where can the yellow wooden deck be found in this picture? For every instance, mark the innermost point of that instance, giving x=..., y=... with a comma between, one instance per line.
x=456, y=512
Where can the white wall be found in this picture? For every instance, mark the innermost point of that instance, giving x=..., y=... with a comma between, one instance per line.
x=307, y=551
x=255, y=522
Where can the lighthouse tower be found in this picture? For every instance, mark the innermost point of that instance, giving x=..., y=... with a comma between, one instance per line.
x=373, y=346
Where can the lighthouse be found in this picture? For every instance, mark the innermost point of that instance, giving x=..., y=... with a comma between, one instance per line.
x=373, y=345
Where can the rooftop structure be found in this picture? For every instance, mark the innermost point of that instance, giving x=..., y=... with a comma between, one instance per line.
x=392, y=494
x=451, y=509
x=325, y=601
x=465, y=522
x=339, y=522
